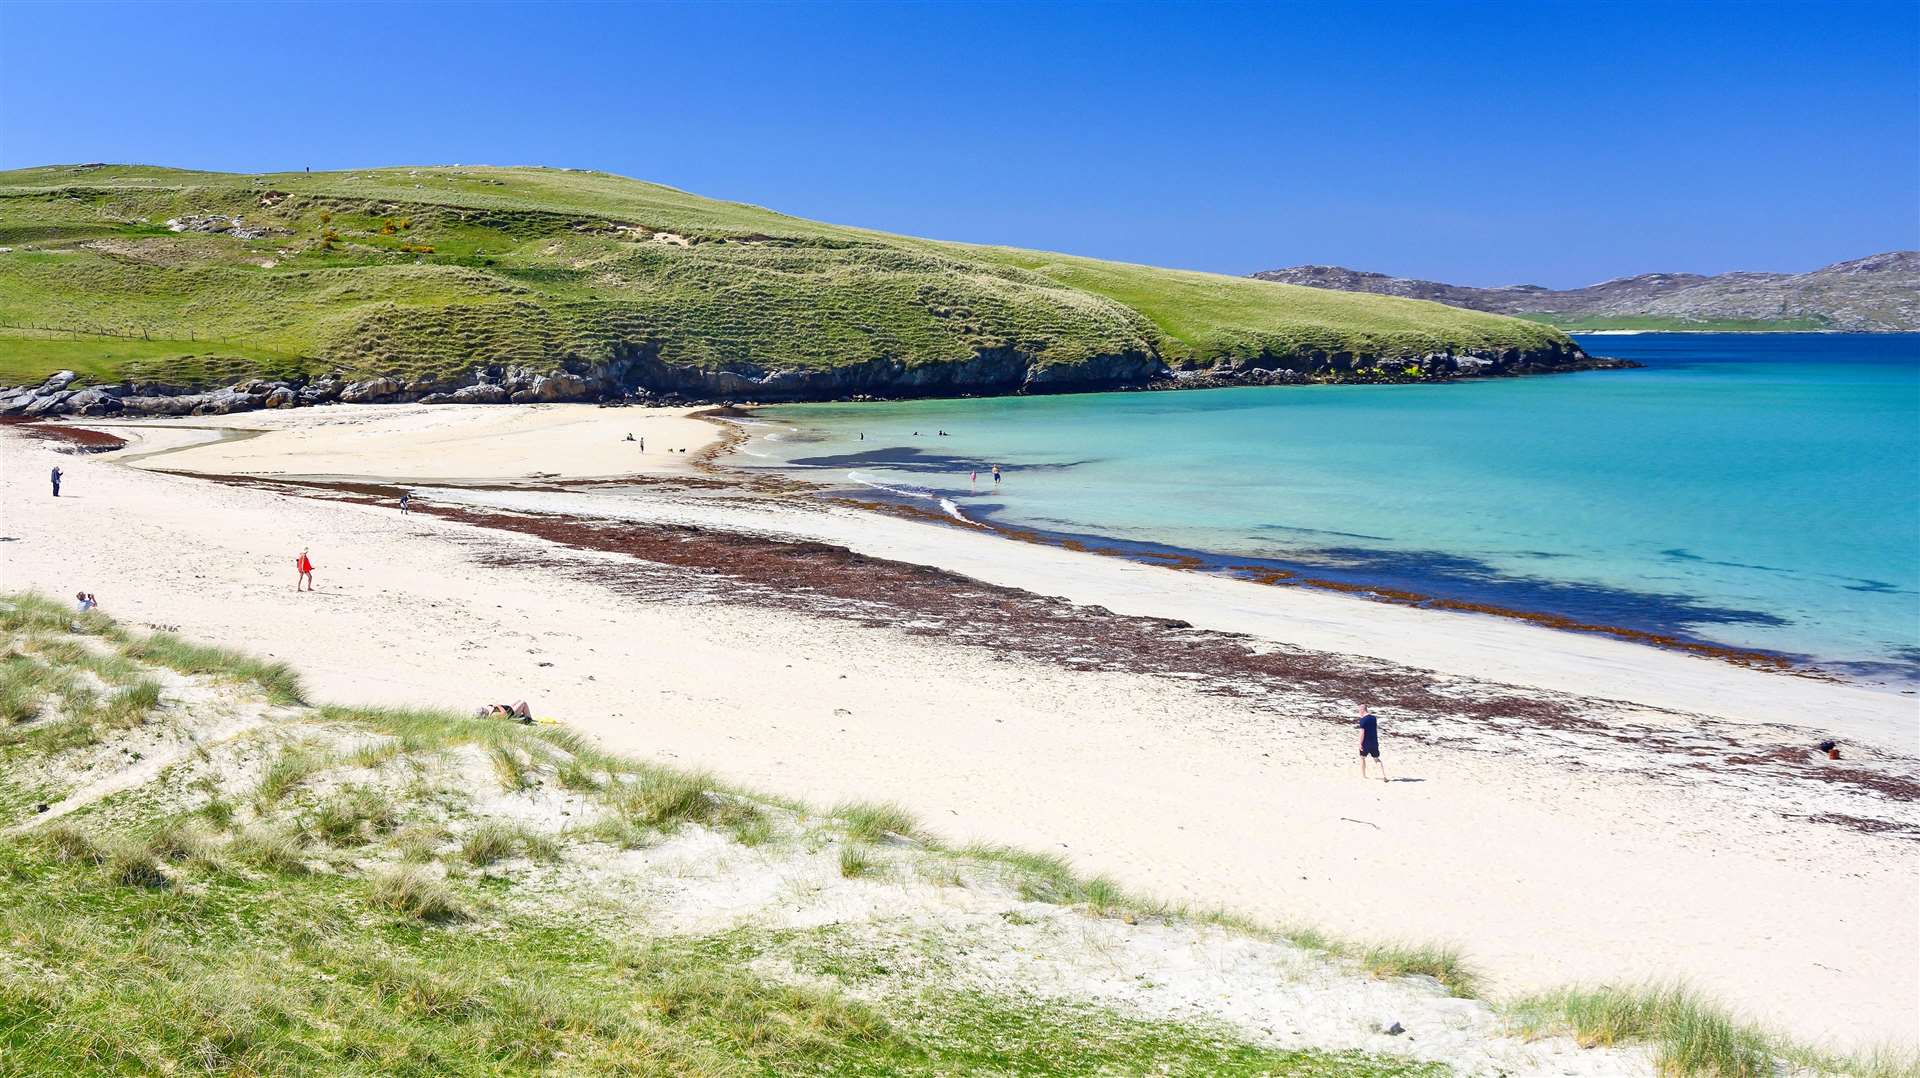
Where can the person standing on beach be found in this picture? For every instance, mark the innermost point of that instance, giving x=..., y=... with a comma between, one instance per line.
x=304, y=566
x=1370, y=742
x=56, y=482
x=406, y=503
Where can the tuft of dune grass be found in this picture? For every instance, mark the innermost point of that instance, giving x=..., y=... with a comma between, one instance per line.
x=664, y=798
x=122, y=861
x=372, y=754
x=24, y=687
x=496, y=841
x=133, y=703
x=1689, y=1035
x=186, y=841
x=779, y=1021
x=857, y=860
x=276, y=679
x=1049, y=878
x=1441, y=962
x=288, y=770
x=512, y=765
x=353, y=816
x=72, y=842
x=417, y=892
x=131, y=864
x=873, y=821
x=419, y=842
x=272, y=849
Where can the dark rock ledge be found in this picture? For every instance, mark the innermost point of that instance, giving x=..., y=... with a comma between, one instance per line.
x=640, y=376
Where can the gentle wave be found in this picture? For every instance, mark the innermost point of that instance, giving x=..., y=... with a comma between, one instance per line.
x=946, y=504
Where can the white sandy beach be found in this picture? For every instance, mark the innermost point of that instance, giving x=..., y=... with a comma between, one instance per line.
x=1545, y=873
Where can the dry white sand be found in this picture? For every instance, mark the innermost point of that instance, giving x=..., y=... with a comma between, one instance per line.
x=466, y=441
x=1545, y=874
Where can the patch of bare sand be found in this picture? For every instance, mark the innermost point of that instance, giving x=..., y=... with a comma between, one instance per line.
x=412, y=441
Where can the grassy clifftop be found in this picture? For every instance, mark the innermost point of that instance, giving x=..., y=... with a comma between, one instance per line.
x=426, y=272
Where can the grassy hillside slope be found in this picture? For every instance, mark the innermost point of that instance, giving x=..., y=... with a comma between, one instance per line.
x=423, y=273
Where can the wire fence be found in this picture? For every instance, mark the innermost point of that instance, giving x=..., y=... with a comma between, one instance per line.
x=145, y=332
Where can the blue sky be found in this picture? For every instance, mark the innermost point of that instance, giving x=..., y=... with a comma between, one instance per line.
x=1480, y=143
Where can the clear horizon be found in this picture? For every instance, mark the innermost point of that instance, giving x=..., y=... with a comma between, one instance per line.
x=1433, y=141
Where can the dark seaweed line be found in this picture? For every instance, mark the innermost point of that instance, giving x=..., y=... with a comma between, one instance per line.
x=684, y=563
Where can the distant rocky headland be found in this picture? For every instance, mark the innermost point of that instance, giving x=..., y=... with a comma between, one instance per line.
x=149, y=290
x=1876, y=294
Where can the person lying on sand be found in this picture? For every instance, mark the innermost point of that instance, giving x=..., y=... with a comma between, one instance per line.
x=1370, y=742
x=515, y=712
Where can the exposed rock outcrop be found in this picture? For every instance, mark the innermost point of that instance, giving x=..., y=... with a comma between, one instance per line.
x=639, y=373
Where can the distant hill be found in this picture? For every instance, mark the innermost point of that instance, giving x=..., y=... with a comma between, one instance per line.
x=1876, y=294
x=544, y=284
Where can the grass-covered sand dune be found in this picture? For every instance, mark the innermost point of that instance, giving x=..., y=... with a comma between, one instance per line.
x=425, y=273
x=204, y=872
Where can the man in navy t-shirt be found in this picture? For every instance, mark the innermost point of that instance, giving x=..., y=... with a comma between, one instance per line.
x=1370, y=742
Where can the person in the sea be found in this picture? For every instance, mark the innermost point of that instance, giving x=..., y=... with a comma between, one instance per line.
x=996, y=475
x=1370, y=742
x=516, y=712
x=303, y=565
x=56, y=482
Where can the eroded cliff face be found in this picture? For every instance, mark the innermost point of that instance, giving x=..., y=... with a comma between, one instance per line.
x=638, y=374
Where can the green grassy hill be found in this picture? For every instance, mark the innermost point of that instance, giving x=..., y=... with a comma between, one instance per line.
x=422, y=274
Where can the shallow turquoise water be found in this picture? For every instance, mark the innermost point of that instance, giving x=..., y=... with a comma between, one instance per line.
x=1757, y=491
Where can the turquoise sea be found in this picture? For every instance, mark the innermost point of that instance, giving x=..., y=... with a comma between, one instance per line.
x=1757, y=491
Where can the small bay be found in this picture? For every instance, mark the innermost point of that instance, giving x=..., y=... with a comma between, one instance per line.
x=1749, y=490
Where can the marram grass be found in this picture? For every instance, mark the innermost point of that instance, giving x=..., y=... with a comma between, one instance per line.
x=311, y=923
x=1689, y=1033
